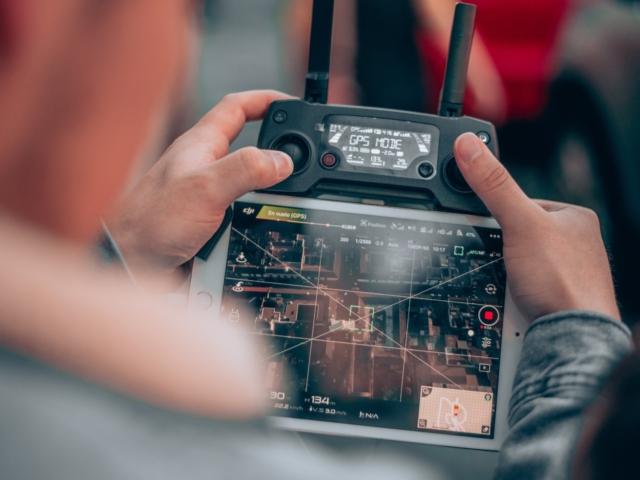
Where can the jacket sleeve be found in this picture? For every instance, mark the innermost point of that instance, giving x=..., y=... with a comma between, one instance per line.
x=566, y=357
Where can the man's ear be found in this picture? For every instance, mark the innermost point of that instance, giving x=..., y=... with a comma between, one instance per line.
x=8, y=26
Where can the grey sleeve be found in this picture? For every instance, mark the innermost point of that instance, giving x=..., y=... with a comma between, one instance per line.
x=566, y=357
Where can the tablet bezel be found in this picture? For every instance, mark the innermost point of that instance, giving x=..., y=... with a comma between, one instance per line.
x=208, y=278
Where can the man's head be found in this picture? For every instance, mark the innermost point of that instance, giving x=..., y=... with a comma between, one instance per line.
x=82, y=85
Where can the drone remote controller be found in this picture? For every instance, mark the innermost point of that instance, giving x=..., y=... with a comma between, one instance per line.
x=376, y=153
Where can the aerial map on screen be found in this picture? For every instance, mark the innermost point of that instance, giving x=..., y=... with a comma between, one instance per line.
x=373, y=321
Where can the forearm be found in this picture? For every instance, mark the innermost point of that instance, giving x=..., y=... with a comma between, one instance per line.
x=565, y=359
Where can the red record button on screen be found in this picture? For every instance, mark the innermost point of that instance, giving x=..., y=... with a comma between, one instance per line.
x=489, y=315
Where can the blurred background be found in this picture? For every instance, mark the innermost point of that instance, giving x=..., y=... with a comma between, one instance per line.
x=561, y=79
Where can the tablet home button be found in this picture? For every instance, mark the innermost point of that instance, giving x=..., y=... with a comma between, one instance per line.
x=204, y=301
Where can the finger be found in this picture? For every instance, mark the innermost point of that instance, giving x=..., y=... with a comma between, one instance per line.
x=247, y=170
x=492, y=183
x=222, y=125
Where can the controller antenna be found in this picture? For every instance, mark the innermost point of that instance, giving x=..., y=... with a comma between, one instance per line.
x=317, y=86
x=455, y=80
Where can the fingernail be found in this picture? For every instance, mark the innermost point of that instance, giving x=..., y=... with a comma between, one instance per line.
x=283, y=163
x=468, y=147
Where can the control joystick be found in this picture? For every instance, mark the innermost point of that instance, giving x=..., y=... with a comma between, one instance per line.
x=454, y=177
x=297, y=148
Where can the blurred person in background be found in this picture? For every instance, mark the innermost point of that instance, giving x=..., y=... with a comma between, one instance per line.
x=84, y=86
x=380, y=44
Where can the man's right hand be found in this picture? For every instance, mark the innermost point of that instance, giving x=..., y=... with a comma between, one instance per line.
x=553, y=252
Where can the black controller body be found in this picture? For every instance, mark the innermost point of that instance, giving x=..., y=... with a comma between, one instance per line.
x=373, y=153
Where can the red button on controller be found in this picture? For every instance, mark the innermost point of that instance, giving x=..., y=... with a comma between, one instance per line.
x=329, y=160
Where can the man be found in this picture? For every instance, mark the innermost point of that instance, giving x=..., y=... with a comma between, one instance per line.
x=82, y=84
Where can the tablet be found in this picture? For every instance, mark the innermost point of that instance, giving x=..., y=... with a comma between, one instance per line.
x=372, y=321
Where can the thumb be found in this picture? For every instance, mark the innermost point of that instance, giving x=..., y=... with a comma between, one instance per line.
x=247, y=170
x=491, y=181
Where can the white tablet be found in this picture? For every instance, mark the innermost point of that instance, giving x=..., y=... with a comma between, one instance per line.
x=375, y=322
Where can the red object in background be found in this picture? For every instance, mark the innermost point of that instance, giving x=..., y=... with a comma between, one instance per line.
x=521, y=37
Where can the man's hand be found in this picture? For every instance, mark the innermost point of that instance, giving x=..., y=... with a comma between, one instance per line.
x=554, y=253
x=181, y=202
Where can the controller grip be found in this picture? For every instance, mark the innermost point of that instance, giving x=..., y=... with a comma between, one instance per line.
x=206, y=251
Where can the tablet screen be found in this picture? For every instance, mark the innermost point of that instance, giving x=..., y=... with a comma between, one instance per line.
x=367, y=320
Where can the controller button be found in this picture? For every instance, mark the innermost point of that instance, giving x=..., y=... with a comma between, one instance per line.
x=297, y=148
x=329, y=160
x=426, y=170
x=279, y=117
x=484, y=137
x=454, y=177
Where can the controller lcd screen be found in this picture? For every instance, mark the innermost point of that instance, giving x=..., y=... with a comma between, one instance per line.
x=370, y=320
x=382, y=148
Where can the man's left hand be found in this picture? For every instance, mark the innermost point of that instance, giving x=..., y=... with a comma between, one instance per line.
x=178, y=206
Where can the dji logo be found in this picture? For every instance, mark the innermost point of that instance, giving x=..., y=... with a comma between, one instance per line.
x=248, y=211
